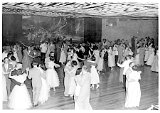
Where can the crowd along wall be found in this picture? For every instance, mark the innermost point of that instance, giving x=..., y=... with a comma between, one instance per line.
x=125, y=28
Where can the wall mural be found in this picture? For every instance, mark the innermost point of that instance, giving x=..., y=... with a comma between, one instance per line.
x=40, y=28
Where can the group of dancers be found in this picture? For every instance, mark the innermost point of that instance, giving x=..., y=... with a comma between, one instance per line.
x=29, y=73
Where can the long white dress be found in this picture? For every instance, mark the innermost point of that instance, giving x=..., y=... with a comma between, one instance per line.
x=111, y=58
x=67, y=78
x=151, y=57
x=155, y=66
x=100, y=62
x=72, y=84
x=62, y=56
x=19, y=97
x=133, y=93
x=82, y=92
x=51, y=75
x=44, y=94
x=146, y=54
x=4, y=88
x=94, y=75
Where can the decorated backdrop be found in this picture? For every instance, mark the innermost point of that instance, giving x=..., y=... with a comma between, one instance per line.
x=40, y=28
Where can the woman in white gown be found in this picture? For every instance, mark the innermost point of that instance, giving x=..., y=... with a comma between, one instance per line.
x=82, y=92
x=4, y=87
x=19, y=97
x=62, y=56
x=51, y=74
x=155, y=66
x=44, y=94
x=151, y=56
x=67, y=69
x=111, y=58
x=72, y=72
x=94, y=74
x=133, y=93
x=101, y=60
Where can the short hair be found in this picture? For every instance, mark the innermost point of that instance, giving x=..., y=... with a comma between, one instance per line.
x=74, y=63
x=52, y=58
x=13, y=58
x=50, y=53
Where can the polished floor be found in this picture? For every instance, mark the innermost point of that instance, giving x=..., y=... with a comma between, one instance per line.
x=110, y=95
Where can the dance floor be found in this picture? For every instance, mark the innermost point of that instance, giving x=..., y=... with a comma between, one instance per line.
x=110, y=95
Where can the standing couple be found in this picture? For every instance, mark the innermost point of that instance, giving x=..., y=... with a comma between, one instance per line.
x=19, y=97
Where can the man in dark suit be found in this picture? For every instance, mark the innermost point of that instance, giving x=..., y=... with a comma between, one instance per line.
x=105, y=65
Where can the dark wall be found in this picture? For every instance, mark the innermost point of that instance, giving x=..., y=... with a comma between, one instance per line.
x=11, y=27
x=92, y=29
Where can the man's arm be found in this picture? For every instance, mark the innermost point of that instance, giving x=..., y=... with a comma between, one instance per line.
x=15, y=82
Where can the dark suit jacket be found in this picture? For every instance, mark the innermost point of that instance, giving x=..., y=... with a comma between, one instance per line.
x=106, y=56
x=13, y=83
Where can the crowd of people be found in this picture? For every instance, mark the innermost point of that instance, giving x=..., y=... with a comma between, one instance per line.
x=29, y=72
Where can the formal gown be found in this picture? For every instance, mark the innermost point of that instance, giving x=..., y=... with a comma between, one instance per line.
x=120, y=53
x=151, y=57
x=146, y=54
x=133, y=93
x=19, y=53
x=155, y=66
x=94, y=75
x=62, y=56
x=101, y=61
x=44, y=93
x=72, y=84
x=111, y=59
x=4, y=88
x=67, y=78
x=19, y=97
x=82, y=92
x=51, y=75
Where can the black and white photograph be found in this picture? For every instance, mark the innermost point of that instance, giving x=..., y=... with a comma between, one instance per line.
x=75, y=55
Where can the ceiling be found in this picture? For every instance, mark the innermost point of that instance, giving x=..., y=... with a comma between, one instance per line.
x=105, y=9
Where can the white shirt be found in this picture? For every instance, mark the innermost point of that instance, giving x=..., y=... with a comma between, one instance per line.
x=125, y=64
x=115, y=50
x=43, y=48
